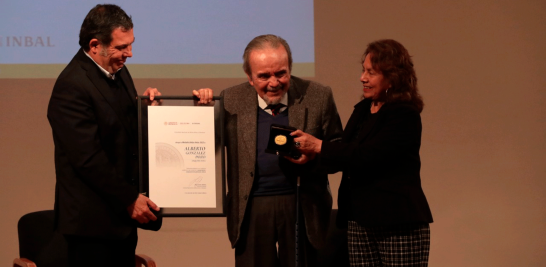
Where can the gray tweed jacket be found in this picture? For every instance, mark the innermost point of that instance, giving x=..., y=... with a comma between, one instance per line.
x=311, y=108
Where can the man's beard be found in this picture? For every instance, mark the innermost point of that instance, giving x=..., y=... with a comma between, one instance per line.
x=275, y=100
x=270, y=101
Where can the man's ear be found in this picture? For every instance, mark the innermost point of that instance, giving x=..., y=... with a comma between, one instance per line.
x=250, y=79
x=94, y=46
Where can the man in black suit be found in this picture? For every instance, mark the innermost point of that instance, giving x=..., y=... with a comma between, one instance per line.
x=93, y=115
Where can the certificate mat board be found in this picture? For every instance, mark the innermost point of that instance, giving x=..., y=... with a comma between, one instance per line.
x=182, y=156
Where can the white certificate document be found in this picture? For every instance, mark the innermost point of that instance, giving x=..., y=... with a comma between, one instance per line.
x=182, y=156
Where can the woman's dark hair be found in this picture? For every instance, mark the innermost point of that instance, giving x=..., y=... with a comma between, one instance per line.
x=100, y=22
x=393, y=60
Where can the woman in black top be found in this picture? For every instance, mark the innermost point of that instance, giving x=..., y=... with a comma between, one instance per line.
x=380, y=197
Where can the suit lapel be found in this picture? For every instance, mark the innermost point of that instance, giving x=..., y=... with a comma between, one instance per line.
x=98, y=79
x=367, y=127
x=296, y=111
x=128, y=81
x=360, y=110
x=130, y=88
x=247, y=122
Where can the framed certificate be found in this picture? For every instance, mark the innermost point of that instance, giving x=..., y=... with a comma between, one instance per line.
x=181, y=152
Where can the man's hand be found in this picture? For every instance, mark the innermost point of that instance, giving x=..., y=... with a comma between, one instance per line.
x=306, y=143
x=153, y=92
x=140, y=209
x=205, y=96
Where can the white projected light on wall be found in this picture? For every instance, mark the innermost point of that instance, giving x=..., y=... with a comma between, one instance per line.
x=173, y=39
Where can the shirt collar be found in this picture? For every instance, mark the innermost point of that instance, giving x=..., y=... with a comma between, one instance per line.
x=108, y=74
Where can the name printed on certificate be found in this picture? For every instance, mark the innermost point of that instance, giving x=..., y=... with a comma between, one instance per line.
x=182, y=156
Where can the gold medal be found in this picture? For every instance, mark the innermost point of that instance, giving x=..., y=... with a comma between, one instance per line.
x=280, y=140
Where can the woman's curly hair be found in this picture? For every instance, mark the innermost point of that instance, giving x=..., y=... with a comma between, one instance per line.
x=393, y=60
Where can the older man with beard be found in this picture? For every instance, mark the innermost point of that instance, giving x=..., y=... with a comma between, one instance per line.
x=261, y=200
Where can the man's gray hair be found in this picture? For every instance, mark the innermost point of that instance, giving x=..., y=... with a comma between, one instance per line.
x=265, y=41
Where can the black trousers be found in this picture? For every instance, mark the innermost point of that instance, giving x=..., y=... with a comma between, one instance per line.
x=268, y=235
x=92, y=252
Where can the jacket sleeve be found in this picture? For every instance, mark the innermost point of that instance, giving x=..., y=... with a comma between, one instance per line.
x=395, y=136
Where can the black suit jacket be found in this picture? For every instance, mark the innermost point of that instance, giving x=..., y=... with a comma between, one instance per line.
x=381, y=182
x=96, y=150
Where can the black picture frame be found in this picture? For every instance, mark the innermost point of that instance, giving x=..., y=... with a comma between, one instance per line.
x=220, y=190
